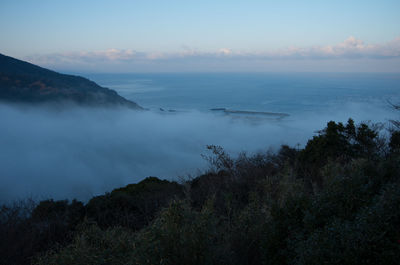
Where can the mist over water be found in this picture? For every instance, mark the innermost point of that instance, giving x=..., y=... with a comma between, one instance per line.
x=81, y=152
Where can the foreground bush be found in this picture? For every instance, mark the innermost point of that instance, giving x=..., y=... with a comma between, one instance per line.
x=133, y=206
x=95, y=246
x=337, y=201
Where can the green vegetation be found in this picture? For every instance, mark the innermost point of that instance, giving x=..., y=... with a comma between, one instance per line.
x=27, y=83
x=337, y=201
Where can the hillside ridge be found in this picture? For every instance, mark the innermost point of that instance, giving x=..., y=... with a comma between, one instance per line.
x=21, y=81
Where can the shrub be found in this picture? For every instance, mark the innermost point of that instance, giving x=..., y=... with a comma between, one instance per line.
x=94, y=246
x=133, y=206
x=372, y=237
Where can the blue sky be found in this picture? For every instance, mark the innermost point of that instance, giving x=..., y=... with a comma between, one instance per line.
x=129, y=36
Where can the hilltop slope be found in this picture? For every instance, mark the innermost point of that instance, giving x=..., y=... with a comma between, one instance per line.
x=25, y=82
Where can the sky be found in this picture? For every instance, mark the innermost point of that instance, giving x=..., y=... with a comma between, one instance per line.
x=207, y=35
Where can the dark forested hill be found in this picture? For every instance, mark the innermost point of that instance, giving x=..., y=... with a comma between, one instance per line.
x=24, y=82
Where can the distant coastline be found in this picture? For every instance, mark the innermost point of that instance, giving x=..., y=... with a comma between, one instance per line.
x=247, y=112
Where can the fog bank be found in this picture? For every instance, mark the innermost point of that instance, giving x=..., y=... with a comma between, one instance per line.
x=81, y=152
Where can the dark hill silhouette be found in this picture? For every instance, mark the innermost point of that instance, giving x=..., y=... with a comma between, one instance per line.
x=25, y=82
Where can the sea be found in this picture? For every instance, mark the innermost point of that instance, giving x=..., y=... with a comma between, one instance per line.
x=291, y=93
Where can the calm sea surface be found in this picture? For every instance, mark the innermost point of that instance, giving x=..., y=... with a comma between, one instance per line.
x=271, y=92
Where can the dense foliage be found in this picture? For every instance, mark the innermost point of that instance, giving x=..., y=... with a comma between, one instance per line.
x=337, y=201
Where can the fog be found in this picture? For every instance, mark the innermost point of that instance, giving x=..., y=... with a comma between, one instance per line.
x=81, y=152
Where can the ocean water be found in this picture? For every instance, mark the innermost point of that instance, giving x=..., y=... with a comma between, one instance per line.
x=292, y=93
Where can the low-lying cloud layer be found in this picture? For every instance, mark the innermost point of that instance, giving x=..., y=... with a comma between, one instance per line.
x=386, y=55
x=81, y=152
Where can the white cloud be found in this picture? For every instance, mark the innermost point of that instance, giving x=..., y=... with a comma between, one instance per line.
x=130, y=59
x=225, y=51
